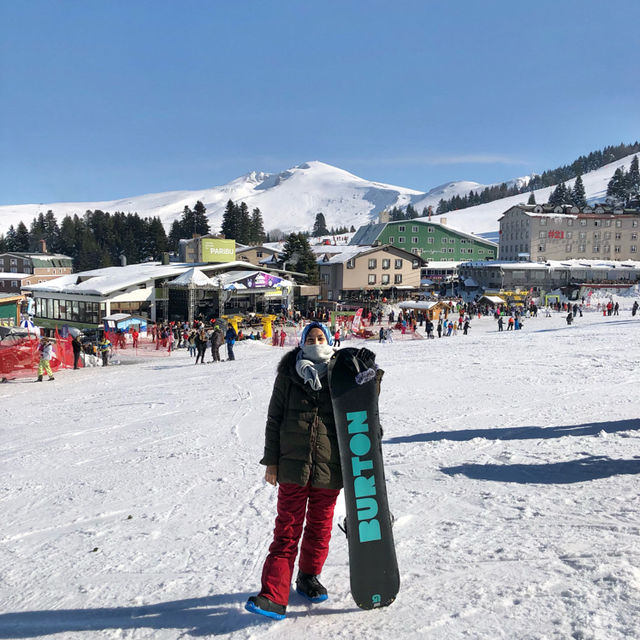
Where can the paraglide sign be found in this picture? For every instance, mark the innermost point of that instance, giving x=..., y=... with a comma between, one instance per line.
x=217, y=250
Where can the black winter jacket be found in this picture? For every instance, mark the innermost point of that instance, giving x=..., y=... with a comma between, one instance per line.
x=301, y=433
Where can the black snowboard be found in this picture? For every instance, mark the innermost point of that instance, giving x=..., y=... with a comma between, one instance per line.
x=372, y=556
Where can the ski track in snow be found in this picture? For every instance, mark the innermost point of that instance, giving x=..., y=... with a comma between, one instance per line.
x=135, y=506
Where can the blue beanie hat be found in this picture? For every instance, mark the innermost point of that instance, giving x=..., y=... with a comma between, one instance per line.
x=313, y=325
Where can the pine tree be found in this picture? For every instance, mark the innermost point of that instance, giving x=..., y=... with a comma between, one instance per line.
x=230, y=221
x=22, y=238
x=411, y=213
x=616, y=188
x=244, y=224
x=3, y=244
x=578, y=194
x=532, y=198
x=320, y=226
x=633, y=180
x=200, y=220
x=559, y=195
x=298, y=256
x=10, y=239
x=257, y=227
x=157, y=242
x=174, y=235
x=51, y=232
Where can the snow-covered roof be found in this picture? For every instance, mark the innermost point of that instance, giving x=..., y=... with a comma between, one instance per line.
x=558, y=264
x=421, y=304
x=193, y=277
x=494, y=299
x=4, y=275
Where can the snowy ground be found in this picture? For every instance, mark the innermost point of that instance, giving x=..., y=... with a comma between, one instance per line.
x=134, y=505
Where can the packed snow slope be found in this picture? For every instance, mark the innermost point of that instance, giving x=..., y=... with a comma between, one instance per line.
x=134, y=505
x=290, y=200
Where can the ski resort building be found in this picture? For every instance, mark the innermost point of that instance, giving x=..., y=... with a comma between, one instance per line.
x=542, y=232
x=431, y=240
x=163, y=292
x=354, y=273
x=20, y=269
x=570, y=275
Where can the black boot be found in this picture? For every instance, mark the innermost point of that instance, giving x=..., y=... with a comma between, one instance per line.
x=310, y=587
x=265, y=607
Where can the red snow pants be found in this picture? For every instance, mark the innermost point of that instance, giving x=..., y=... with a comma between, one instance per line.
x=294, y=502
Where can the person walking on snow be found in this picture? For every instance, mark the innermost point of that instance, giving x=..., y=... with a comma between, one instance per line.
x=46, y=353
x=301, y=456
x=230, y=338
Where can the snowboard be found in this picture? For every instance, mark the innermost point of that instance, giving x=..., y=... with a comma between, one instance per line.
x=373, y=568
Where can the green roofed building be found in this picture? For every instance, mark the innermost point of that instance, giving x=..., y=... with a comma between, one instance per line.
x=428, y=239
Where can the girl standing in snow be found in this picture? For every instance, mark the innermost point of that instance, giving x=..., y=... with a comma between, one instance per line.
x=301, y=455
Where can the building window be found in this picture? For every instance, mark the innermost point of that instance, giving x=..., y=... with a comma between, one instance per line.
x=397, y=278
x=444, y=240
x=542, y=234
x=386, y=263
x=596, y=235
x=606, y=249
x=583, y=223
x=607, y=235
x=570, y=222
x=580, y=248
x=583, y=235
x=384, y=279
x=617, y=249
x=430, y=229
x=618, y=223
x=13, y=261
x=618, y=236
x=351, y=263
x=596, y=223
x=634, y=248
x=634, y=223
x=259, y=254
x=596, y=248
x=541, y=246
x=429, y=240
x=398, y=264
x=543, y=222
x=401, y=228
x=391, y=239
x=568, y=249
x=373, y=263
x=569, y=235
x=414, y=229
x=372, y=278
x=414, y=240
x=325, y=278
x=14, y=283
x=401, y=240
x=634, y=236
x=607, y=223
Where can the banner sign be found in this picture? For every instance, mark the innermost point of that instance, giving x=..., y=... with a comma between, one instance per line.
x=217, y=250
x=260, y=280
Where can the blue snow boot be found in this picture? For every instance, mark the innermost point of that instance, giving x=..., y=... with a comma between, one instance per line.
x=309, y=586
x=265, y=607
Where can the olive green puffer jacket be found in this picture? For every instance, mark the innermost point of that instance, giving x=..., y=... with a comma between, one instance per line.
x=301, y=432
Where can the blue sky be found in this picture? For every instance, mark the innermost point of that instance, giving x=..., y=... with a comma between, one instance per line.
x=100, y=100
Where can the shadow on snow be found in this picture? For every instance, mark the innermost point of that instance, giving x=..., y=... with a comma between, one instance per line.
x=521, y=433
x=583, y=470
x=207, y=616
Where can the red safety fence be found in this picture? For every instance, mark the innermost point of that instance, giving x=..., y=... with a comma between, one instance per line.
x=20, y=355
x=144, y=346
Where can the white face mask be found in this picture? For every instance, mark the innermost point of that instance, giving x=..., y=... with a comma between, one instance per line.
x=317, y=352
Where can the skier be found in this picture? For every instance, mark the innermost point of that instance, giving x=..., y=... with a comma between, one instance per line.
x=500, y=324
x=634, y=309
x=301, y=455
x=46, y=353
x=336, y=338
x=569, y=318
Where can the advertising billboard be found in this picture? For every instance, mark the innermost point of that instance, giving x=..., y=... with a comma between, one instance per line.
x=217, y=250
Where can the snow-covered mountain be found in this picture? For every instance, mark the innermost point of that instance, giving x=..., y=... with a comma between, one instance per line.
x=291, y=199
